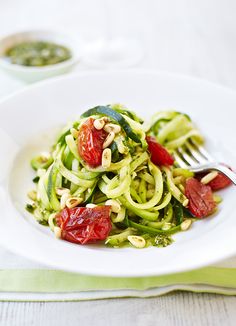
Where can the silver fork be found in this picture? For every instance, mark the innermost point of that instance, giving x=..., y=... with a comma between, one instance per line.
x=195, y=158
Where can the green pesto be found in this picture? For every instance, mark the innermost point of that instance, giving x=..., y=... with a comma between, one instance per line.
x=37, y=54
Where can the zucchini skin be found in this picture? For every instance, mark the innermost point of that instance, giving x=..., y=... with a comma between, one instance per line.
x=105, y=110
x=150, y=230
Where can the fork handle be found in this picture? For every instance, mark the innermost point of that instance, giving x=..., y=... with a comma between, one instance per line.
x=218, y=167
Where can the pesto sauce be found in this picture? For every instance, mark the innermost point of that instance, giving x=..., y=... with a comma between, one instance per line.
x=37, y=54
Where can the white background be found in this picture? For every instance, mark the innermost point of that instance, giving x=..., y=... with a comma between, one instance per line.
x=194, y=37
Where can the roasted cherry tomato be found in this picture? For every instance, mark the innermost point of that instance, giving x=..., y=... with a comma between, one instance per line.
x=159, y=155
x=90, y=141
x=219, y=182
x=84, y=225
x=201, y=202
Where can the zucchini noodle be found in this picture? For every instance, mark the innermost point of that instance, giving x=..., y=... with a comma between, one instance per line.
x=146, y=200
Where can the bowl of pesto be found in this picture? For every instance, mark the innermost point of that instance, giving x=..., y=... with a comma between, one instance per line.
x=36, y=55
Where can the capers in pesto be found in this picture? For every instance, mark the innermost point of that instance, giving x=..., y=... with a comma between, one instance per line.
x=37, y=54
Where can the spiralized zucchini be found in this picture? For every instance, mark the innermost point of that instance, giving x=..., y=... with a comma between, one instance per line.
x=147, y=201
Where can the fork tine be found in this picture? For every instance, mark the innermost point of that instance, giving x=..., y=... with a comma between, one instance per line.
x=179, y=160
x=196, y=153
x=189, y=159
x=197, y=159
x=202, y=150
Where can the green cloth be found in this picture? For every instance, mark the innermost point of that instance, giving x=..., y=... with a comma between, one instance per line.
x=55, y=281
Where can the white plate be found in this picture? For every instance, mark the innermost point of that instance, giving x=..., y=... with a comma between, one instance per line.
x=25, y=121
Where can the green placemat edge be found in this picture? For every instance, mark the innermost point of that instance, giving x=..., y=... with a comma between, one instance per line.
x=25, y=280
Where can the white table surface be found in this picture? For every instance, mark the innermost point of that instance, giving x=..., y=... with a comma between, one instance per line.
x=194, y=37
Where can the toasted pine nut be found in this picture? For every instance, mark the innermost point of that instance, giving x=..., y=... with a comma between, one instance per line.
x=112, y=127
x=41, y=172
x=150, y=186
x=32, y=195
x=136, y=184
x=99, y=124
x=139, y=149
x=109, y=139
x=91, y=205
x=115, y=206
x=37, y=214
x=45, y=156
x=63, y=200
x=51, y=221
x=185, y=202
x=74, y=132
x=75, y=165
x=119, y=217
x=73, y=202
x=209, y=177
x=181, y=188
x=185, y=225
x=106, y=158
x=133, y=175
x=166, y=226
x=137, y=241
x=61, y=191
x=217, y=198
x=57, y=232
x=179, y=179
x=150, y=193
x=121, y=147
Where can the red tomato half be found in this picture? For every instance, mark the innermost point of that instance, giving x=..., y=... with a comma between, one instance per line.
x=90, y=141
x=84, y=225
x=219, y=182
x=201, y=202
x=159, y=155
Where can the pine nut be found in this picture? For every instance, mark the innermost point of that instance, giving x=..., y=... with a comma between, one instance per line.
x=99, y=124
x=57, y=232
x=209, y=177
x=185, y=225
x=112, y=127
x=109, y=139
x=121, y=147
x=185, y=202
x=41, y=172
x=74, y=132
x=106, y=158
x=150, y=186
x=115, y=206
x=166, y=226
x=150, y=193
x=136, y=184
x=119, y=217
x=181, y=188
x=45, y=156
x=75, y=165
x=37, y=214
x=91, y=205
x=179, y=179
x=51, y=221
x=63, y=200
x=61, y=191
x=32, y=195
x=73, y=202
x=137, y=241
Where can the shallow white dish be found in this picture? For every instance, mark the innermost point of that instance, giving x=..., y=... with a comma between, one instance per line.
x=32, y=74
x=26, y=120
